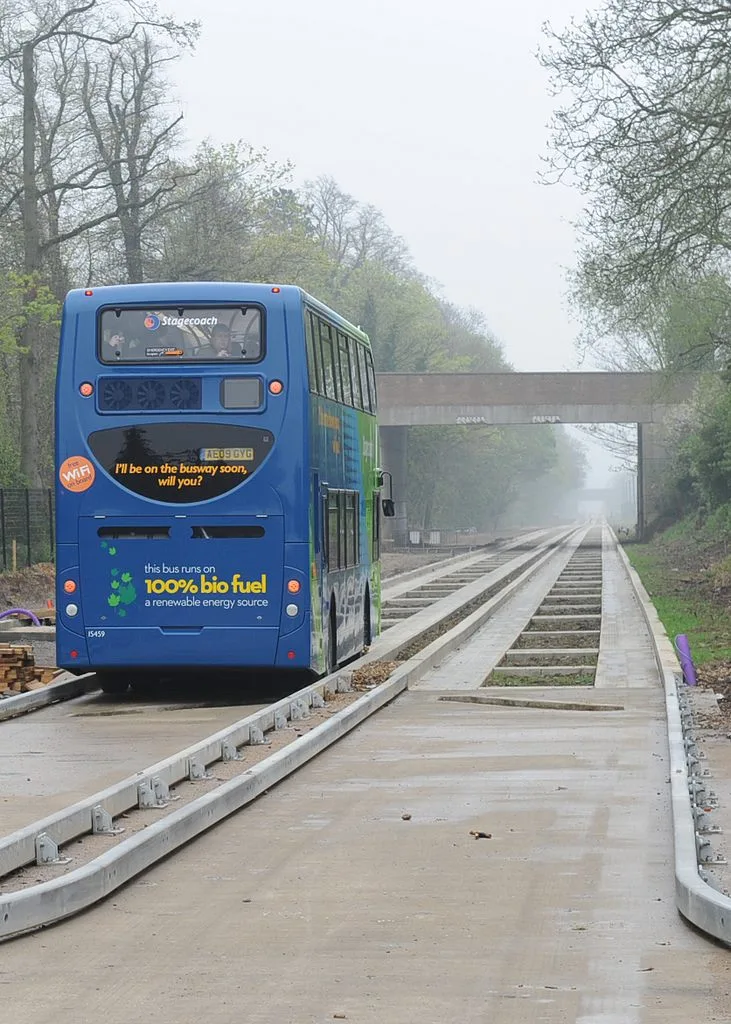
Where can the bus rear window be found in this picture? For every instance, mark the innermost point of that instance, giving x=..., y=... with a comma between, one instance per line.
x=232, y=334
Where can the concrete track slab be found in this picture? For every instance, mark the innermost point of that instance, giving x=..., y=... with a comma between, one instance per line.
x=468, y=667
x=626, y=654
x=60, y=754
x=320, y=902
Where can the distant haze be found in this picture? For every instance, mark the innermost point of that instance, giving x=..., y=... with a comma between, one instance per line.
x=434, y=113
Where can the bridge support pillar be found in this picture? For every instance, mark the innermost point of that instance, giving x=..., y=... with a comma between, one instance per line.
x=652, y=461
x=393, y=442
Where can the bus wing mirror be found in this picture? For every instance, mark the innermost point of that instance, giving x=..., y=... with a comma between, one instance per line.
x=381, y=480
x=388, y=508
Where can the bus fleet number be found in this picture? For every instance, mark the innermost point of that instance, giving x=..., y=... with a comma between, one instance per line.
x=96, y=633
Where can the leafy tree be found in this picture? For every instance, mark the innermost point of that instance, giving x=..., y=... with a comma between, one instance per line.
x=642, y=129
x=209, y=234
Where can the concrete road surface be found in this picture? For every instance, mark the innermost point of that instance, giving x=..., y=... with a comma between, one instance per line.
x=320, y=902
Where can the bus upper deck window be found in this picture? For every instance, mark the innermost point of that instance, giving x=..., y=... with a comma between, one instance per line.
x=164, y=334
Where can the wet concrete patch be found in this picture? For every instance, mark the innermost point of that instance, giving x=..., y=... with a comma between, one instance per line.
x=529, y=702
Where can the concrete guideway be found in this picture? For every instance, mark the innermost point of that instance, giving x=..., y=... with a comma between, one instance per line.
x=322, y=901
x=32, y=907
x=66, y=751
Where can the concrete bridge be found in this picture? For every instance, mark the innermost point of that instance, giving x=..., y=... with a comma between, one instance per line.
x=501, y=399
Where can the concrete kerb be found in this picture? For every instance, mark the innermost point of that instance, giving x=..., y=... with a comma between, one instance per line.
x=29, y=909
x=64, y=689
x=702, y=905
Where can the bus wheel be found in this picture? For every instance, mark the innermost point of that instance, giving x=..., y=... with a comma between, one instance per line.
x=111, y=683
x=332, y=647
x=367, y=637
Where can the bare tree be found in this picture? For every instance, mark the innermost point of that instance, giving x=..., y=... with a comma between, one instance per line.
x=135, y=137
x=40, y=37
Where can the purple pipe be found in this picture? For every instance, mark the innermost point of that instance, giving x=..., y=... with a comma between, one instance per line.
x=21, y=611
x=686, y=659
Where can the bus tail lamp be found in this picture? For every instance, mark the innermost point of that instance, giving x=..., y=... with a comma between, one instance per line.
x=291, y=655
x=276, y=290
x=276, y=387
x=69, y=586
x=72, y=610
x=292, y=610
x=294, y=586
x=88, y=291
x=86, y=390
x=74, y=654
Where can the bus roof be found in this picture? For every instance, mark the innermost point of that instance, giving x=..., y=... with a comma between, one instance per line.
x=202, y=291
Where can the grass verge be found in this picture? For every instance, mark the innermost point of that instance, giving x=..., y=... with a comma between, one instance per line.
x=684, y=600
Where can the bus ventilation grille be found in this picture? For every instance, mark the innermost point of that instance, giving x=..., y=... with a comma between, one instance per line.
x=149, y=394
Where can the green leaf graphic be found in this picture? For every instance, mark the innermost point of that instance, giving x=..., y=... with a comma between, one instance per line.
x=126, y=577
x=127, y=594
x=113, y=600
x=115, y=584
x=112, y=551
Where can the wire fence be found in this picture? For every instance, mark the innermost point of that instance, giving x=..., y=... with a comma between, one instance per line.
x=26, y=527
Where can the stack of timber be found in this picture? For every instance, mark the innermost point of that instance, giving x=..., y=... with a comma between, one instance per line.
x=19, y=672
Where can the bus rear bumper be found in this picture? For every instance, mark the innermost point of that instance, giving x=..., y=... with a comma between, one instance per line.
x=153, y=648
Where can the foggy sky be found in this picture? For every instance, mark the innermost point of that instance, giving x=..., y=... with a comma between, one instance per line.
x=434, y=113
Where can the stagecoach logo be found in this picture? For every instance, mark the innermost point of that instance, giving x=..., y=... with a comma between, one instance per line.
x=153, y=321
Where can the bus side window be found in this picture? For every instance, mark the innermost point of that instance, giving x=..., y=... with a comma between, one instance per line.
x=343, y=559
x=351, y=523
x=355, y=374
x=345, y=374
x=376, y=536
x=333, y=531
x=367, y=400
x=328, y=360
x=313, y=354
x=336, y=365
x=371, y=381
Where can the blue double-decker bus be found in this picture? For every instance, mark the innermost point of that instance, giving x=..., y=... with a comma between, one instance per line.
x=218, y=491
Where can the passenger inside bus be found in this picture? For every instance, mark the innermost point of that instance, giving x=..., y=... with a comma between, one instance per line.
x=220, y=344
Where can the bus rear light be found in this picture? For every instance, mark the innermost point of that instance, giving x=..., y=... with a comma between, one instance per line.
x=89, y=291
x=86, y=389
x=291, y=655
x=294, y=586
x=276, y=290
x=292, y=610
x=72, y=610
x=74, y=654
x=276, y=387
x=69, y=586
